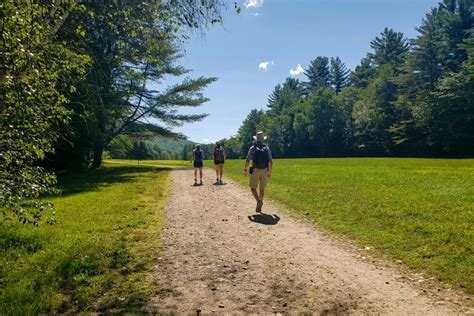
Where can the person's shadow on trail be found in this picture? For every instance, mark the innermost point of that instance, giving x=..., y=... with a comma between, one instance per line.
x=265, y=219
x=218, y=183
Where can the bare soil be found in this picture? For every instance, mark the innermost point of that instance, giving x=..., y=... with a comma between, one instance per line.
x=219, y=256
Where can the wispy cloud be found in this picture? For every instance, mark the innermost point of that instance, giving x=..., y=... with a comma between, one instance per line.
x=265, y=64
x=297, y=70
x=253, y=3
x=257, y=14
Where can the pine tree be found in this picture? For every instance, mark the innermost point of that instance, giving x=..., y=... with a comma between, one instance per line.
x=285, y=95
x=425, y=61
x=457, y=18
x=339, y=73
x=452, y=114
x=375, y=113
x=390, y=48
x=318, y=74
x=248, y=129
x=362, y=74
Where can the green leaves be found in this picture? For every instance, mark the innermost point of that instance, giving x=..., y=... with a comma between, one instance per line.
x=34, y=71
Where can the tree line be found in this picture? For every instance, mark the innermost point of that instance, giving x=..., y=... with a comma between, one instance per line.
x=74, y=75
x=407, y=97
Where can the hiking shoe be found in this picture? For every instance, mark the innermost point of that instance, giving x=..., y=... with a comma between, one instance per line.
x=259, y=206
x=200, y=183
x=195, y=181
x=220, y=181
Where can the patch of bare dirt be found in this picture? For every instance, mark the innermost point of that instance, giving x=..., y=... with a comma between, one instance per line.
x=219, y=256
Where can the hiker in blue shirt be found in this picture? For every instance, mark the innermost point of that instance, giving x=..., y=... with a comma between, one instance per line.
x=261, y=170
x=198, y=157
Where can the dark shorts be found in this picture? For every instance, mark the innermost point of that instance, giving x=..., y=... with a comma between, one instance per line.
x=218, y=162
x=197, y=164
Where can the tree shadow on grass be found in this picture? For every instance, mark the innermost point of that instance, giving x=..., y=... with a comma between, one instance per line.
x=77, y=182
x=265, y=219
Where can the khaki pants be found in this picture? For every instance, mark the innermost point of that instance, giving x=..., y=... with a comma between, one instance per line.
x=259, y=176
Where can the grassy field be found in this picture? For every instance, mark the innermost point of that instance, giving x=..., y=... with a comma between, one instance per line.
x=420, y=211
x=98, y=255
x=152, y=163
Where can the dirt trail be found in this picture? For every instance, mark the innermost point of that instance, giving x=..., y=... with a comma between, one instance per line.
x=217, y=259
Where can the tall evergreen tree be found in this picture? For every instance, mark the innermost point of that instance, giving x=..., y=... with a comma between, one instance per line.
x=339, y=74
x=375, y=113
x=362, y=74
x=285, y=95
x=425, y=61
x=457, y=17
x=248, y=129
x=319, y=124
x=318, y=74
x=452, y=116
x=390, y=48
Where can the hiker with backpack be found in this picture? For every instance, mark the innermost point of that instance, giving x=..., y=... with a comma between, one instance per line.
x=261, y=169
x=198, y=157
x=219, y=156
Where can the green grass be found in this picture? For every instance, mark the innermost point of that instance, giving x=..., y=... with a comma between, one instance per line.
x=420, y=211
x=98, y=255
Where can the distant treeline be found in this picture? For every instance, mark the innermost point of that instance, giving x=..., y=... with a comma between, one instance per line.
x=407, y=97
x=159, y=148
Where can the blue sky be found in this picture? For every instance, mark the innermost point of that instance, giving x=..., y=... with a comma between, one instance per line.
x=288, y=33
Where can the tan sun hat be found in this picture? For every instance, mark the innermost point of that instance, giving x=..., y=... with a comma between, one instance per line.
x=259, y=137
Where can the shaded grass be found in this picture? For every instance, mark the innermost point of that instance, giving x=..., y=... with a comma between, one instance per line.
x=99, y=254
x=153, y=163
x=420, y=211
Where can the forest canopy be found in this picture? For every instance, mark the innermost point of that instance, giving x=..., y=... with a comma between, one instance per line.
x=407, y=97
x=74, y=75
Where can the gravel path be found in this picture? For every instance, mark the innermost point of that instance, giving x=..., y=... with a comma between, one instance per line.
x=218, y=256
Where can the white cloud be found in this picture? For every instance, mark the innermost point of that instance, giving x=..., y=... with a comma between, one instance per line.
x=265, y=64
x=257, y=14
x=253, y=3
x=297, y=70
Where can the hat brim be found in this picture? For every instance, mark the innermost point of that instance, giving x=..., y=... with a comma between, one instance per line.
x=255, y=137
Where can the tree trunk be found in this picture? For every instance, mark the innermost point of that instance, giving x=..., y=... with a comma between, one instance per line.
x=98, y=150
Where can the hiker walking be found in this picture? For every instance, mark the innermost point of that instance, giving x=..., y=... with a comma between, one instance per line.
x=219, y=156
x=198, y=157
x=261, y=169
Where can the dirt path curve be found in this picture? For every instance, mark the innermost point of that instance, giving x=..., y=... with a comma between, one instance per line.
x=217, y=259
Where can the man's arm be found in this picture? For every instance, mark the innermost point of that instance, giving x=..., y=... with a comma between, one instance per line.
x=225, y=154
x=270, y=163
x=247, y=160
x=246, y=168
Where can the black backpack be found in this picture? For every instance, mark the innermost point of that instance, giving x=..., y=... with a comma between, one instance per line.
x=219, y=153
x=198, y=155
x=260, y=157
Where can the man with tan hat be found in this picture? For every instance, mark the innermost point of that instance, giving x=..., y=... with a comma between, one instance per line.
x=261, y=169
